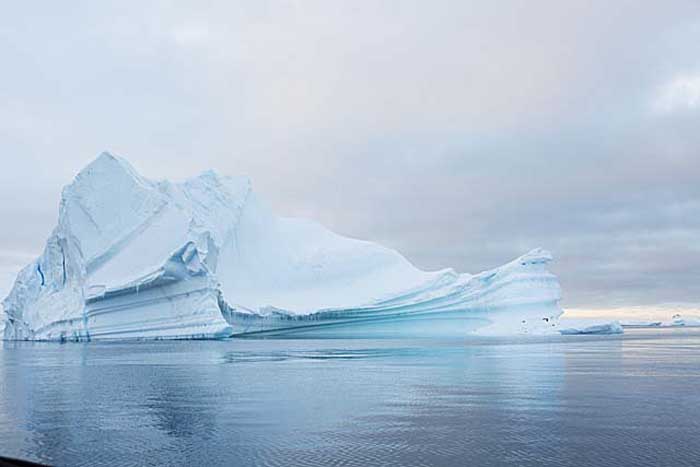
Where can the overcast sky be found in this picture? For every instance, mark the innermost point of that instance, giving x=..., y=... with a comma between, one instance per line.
x=460, y=133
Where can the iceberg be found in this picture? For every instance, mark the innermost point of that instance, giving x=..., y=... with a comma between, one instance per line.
x=679, y=320
x=640, y=324
x=133, y=258
x=612, y=327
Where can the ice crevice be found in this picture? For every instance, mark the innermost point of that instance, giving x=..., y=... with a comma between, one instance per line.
x=41, y=274
x=133, y=258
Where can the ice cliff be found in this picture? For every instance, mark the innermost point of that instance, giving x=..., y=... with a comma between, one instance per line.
x=205, y=258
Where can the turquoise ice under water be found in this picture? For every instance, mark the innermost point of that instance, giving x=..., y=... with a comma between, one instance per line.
x=563, y=401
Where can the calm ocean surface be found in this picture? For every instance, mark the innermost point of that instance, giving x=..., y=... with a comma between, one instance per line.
x=566, y=401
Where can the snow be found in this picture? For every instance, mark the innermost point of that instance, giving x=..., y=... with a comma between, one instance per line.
x=206, y=258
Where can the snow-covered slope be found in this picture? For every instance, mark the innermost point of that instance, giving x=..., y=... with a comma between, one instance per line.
x=205, y=258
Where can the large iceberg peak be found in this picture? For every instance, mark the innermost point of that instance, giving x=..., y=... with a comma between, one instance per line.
x=106, y=170
x=106, y=202
x=107, y=159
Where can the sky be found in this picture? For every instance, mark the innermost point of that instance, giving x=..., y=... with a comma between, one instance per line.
x=460, y=133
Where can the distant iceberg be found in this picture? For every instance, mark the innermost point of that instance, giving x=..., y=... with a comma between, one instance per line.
x=205, y=258
x=640, y=324
x=679, y=320
x=612, y=327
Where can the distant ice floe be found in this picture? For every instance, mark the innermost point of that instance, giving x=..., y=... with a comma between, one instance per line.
x=205, y=258
x=640, y=324
x=678, y=320
x=612, y=327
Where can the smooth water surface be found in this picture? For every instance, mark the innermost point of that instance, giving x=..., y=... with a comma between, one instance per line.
x=566, y=401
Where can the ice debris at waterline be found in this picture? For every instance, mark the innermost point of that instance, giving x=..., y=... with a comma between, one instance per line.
x=205, y=258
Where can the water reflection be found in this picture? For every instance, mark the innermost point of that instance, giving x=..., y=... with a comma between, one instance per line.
x=565, y=401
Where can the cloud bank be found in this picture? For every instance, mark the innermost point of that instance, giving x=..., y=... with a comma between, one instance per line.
x=457, y=132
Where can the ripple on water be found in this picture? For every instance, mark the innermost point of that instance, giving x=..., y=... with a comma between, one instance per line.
x=538, y=402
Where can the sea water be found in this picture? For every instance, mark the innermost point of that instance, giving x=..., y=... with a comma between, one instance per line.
x=631, y=400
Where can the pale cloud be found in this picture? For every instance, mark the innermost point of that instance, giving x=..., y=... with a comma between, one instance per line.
x=192, y=34
x=682, y=93
x=462, y=133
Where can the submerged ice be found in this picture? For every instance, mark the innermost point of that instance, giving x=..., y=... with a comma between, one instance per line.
x=205, y=258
